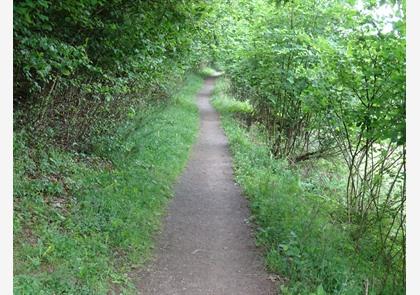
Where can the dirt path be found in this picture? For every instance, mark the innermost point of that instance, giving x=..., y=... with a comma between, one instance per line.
x=206, y=246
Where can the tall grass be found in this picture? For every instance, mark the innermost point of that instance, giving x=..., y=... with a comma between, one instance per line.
x=297, y=213
x=82, y=222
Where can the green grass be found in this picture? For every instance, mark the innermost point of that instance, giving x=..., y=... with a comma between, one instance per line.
x=297, y=216
x=229, y=105
x=82, y=222
x=207, y=72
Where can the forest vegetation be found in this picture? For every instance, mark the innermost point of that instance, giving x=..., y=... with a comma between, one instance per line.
x=312, y=100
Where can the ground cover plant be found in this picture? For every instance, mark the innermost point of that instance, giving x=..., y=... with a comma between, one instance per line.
x=313, y=103
x=301, y=216
x=100, y=133
x=325, y=82
x=83, y=222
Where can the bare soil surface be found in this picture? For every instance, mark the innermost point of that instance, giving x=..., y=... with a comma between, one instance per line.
x=207, y=245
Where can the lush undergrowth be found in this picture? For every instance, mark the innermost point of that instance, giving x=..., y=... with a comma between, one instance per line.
x=206, y=71
x=298, y=213
x=326, y=84
x=81, y=222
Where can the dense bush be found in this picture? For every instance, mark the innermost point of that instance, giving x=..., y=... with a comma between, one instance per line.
x=326, y=79
x=82, y=67
x=301, y=222
x=99, y=135
x=322, y=81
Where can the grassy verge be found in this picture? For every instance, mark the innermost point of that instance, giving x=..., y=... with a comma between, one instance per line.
x=207, y=72
x=296, y=211
x=81, y=222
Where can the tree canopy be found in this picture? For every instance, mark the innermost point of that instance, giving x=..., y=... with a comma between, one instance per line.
x=321, y=79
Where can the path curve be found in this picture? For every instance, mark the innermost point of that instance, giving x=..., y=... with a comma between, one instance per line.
x=207, y=246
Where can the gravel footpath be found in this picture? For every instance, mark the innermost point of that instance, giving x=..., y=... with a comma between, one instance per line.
x=207, y=246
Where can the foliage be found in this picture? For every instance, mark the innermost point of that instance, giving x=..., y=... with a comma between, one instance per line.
x=81, y=68
x=94, y=81
x=319, y=86
x=82, y=222
x=326, y=80
x=300, y=220
x=290, y=43
x=207, y=72
x=225, y=103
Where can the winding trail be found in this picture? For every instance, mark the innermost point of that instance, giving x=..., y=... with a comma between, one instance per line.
x=207, y=246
